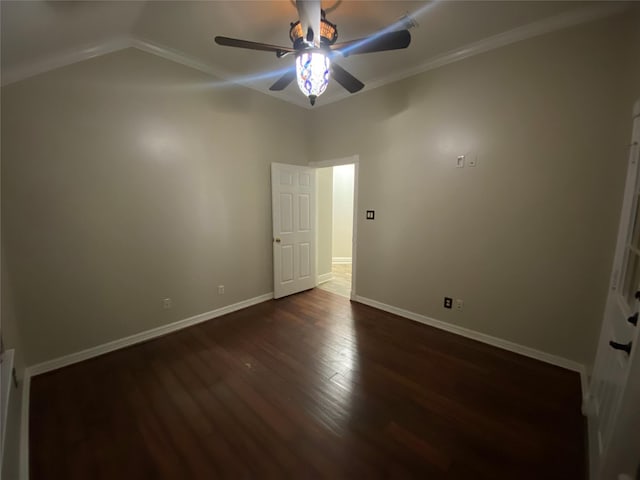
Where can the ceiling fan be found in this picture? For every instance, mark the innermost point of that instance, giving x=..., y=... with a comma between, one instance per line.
x=315, y=48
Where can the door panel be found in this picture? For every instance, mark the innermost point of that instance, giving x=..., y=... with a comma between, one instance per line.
x=306, y=178
x=293, y=197
x=610, y=379
x=286, y=178
x=304, y=210
x=631, y=278
x=305, y=260
x=286, y=213
x=287, y=263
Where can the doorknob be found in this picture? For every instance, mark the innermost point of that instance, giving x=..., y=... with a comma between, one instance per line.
x=625, y=347
x=633, y=319
x=277, y=240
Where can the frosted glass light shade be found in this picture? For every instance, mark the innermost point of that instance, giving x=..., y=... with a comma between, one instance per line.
x=312, y=71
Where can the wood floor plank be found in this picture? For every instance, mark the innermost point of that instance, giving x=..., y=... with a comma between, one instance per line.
x=309, y=386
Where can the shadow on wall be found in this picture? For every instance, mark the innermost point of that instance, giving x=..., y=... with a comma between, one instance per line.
x=394, y=102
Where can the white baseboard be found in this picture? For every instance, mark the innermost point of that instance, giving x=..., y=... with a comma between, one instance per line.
x=325, y=277
x=341, y=260
x=143, y=336
x=106, y=348
x=156, y=332
x=484, y=338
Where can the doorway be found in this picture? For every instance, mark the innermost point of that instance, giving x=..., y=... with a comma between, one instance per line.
x=336, y=206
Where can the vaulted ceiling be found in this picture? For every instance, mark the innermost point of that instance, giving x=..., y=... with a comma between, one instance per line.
x=41, y=35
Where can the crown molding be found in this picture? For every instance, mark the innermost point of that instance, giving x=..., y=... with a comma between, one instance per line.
x=225, y=77
x=86, y=52
x=548, y=25
x=535, y=29
x=62, y=59
x=178, y=57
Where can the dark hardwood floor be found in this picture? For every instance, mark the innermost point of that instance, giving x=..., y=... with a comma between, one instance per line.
x=310, y=386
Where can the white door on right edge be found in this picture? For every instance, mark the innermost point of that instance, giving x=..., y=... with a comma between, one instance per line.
x=619, y=335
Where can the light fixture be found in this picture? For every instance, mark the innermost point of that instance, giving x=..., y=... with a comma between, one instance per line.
x=313, y=64
x=312, y=71
x=315, y=51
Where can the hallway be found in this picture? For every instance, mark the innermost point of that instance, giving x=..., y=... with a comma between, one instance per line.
x=341, y=282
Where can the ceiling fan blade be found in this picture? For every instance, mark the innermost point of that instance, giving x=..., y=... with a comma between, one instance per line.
x=375, y=43
x=344, y=78
x=309, y=14
x=284, y=81
x=234, y=42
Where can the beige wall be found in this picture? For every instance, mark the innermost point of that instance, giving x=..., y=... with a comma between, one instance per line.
x=127, y=179
x=325, y=219
x=12, y=340
x=342, y=242
x=526, y=237
x=634, y=52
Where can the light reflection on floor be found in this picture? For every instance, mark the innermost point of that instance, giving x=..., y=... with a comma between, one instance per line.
x=341, y=356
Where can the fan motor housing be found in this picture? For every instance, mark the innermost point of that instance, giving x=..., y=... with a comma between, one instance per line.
x=328, y=33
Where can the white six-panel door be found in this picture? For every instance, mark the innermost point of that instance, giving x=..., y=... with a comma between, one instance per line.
x=293, y=208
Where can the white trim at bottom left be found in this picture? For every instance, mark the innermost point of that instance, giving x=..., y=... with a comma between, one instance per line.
x=106, y=348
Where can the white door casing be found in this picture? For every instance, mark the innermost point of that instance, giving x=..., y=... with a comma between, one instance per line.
x=294, y=238
x=608, y=392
